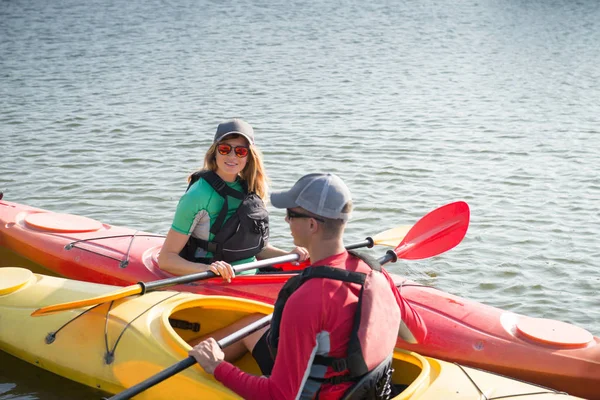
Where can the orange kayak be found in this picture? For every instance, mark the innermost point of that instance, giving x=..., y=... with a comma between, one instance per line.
x=547, y=352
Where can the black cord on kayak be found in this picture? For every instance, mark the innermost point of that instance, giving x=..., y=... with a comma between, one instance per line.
x=110, y=354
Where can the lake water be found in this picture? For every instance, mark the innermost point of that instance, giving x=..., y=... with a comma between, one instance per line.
x=106, y=107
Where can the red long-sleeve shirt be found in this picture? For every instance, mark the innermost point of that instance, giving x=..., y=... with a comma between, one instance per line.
x=317, y=319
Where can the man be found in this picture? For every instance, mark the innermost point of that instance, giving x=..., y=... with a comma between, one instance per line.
x=319, y=348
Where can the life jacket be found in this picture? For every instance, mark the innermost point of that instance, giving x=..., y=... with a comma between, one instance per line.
x=243, y=235
x=369, y=343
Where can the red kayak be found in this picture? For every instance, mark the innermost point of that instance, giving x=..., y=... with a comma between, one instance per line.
x=546, y=352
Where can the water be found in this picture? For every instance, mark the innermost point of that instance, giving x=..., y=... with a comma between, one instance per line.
x=106, y=107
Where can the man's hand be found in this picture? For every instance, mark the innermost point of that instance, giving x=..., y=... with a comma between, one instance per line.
x=208, y=354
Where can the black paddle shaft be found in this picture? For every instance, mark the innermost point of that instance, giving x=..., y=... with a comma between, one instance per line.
x=148, y=286
x=209, y=274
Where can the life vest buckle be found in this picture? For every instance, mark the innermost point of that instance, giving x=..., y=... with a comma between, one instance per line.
x=339, y=365
x=336, y=380
x=219, y=185
x=212, y=247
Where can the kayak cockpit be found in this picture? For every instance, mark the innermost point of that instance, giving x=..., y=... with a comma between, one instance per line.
x=195, y=320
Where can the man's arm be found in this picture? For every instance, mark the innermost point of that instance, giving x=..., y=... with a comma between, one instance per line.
x=412, y=326
x=300, y=325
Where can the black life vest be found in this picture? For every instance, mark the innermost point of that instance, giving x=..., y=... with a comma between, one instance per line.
x=375, y=298
x=243, y=235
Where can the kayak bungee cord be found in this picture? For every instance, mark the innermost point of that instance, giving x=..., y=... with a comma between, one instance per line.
x=110, y=354
x=122, y=262
x=507, y=396
x=51, y=337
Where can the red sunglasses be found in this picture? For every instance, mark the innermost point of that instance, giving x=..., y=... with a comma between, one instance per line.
x=240, y=151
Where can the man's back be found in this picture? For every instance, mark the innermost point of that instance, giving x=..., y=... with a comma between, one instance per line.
x=318, y=320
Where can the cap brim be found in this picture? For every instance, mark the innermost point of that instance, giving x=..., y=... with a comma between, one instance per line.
x=250, y=141
x=283, y=200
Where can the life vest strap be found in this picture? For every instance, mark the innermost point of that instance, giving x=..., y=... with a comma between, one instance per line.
x=338, y=364
x=334, y=380
x=217, y=247
x=224, y=191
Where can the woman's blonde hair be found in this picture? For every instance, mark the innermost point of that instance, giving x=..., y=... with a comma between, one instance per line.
x=253, y=173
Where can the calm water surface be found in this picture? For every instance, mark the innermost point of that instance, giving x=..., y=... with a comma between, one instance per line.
x=105, y=107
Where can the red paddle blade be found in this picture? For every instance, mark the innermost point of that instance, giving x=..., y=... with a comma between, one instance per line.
x=437, y=232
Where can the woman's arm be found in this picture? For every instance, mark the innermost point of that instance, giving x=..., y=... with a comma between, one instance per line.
x=170, y=261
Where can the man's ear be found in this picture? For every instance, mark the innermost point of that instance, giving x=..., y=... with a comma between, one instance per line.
x=314, y=226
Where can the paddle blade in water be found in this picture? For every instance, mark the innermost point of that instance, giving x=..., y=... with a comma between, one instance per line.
x=438, y=231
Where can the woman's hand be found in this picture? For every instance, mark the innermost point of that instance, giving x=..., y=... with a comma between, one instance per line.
x=224, y=269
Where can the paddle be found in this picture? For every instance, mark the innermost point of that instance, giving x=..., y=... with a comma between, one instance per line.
x=391, y=237
x=384, y=238
x=437, y=232
x=188, y=362
x=425, y=239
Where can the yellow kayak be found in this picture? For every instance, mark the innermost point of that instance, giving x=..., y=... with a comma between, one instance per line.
x=114, y=346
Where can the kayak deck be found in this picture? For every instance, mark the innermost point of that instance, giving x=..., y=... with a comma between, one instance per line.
x=118, y=344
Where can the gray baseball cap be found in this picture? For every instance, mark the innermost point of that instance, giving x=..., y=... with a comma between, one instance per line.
x=324, y=195
x=235, y=126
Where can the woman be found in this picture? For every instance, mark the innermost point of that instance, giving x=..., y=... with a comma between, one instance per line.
x=221, y=219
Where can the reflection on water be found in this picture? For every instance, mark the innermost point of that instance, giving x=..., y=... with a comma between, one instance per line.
x=10, y=259
x=21, y=380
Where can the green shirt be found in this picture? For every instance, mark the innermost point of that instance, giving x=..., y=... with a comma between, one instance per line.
x=198, y=209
